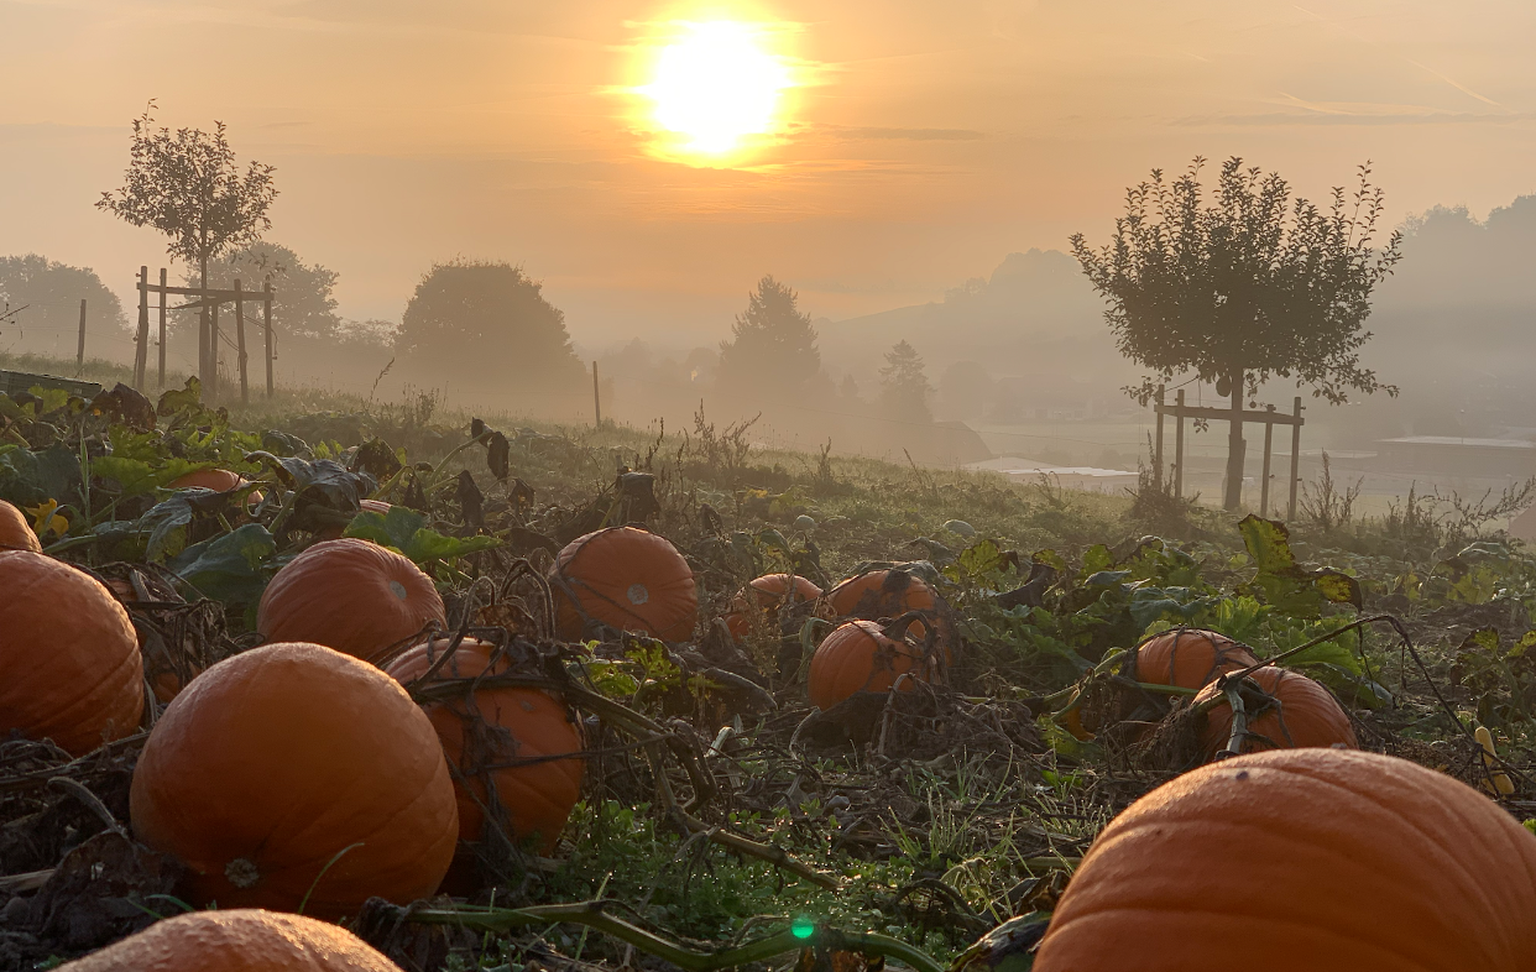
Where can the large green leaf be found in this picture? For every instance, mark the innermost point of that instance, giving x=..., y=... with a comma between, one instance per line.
x=229, y=567
x=28, y=478
x=1284, y=584
x=407, y=531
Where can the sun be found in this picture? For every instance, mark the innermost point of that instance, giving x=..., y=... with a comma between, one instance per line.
x=716, y=86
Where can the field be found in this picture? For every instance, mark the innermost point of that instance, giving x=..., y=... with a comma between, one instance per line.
x=718, y=808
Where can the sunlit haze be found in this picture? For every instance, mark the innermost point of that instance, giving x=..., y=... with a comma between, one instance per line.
x=715, y=86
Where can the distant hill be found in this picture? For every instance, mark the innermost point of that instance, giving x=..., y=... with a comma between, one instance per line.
x=1035, y=320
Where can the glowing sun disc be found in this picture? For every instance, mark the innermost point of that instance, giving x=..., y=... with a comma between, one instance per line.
x=716, y=86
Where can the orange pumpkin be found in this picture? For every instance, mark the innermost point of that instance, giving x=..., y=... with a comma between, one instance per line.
x=281, y=760
x=218, y=480
x=1305, y=714
x=860, y=657
x=70, y=668
x=15, y=532
x=238, y=940
x=521, y=728
x=351, y=595
x=878, y=594
x=1316, y=859
x=1189, y=657
x=627, y=578
x=762, y=597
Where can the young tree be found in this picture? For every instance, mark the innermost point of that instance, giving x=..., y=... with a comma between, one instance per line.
x=470, y=318
x=187, y=186
x=772, y=353
x=904, y=387
x=1250, y=287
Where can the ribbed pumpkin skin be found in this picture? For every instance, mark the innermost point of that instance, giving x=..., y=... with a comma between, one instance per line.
x=70, y=668
x=524, y=723
x=882, y=594
x=351, y=595
x=762, y=597
x=1308, y=715
x=15, y=532
x=284, y=755
x=858, y=657
x=1314, y=859
x=1189, y=657
x=627, y=578
x=218, y=480
x=238, y=940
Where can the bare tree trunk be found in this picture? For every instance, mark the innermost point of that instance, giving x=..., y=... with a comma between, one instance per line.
x=202, y=324
x=1235, y=445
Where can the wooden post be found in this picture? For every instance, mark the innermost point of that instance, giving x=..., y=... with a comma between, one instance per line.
x=1178, y=448
x=162, y=327
x=597, y=401
x=245, y=394
x=266, y=315
x=202, y=336
x=213, y=352
x=1295, y=456
x=1235, y=457
x=141, y=352
x=80, y=352
x=1157, y=447
x=1269, y=436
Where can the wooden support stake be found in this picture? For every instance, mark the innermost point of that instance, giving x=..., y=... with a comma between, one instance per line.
x=1295, y=457
x=245, y=394
x=213, y=353
x=597, y=401
x=80, y=352
x=141, y=350
x=1157, y=447
x=162, y=327
x=266, y=323
x=1178, y=449
x=1269, y=437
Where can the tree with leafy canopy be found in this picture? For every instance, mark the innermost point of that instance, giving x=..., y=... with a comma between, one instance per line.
x=904, y=387
x=488, y=318
x=772, y=353
x=47, y=295
x=303, y=304
x=186, y=185
x=1252, y=286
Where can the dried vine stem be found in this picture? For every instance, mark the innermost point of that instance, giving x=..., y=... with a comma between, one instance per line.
x=593, y=914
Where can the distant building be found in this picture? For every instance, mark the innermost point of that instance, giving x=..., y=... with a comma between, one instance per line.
x=1088, y=478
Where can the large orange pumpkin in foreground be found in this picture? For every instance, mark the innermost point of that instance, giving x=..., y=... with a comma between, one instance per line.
x=1189, y=657
x=515, y=730
x=859, y=657
x=238, y=940
x=762, y=598
x=1307, y=715
x=1316, y=859
x=279, y=760
x=15, y=532
x=627, y=578
x=70, y=668
x=351, y=595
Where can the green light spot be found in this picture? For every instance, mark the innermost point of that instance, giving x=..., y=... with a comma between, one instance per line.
x=802, y=927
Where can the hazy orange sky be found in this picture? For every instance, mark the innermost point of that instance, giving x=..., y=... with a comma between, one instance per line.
x=932, y=139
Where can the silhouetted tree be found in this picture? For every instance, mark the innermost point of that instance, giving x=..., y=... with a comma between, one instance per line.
x=772, y=353
x=472, y=319
x=904, y=387
x=304, y=306
x=51, y=293
x=186, y=185
x=1250, y=287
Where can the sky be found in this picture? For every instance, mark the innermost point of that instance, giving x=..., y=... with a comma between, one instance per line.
x=921, y=143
